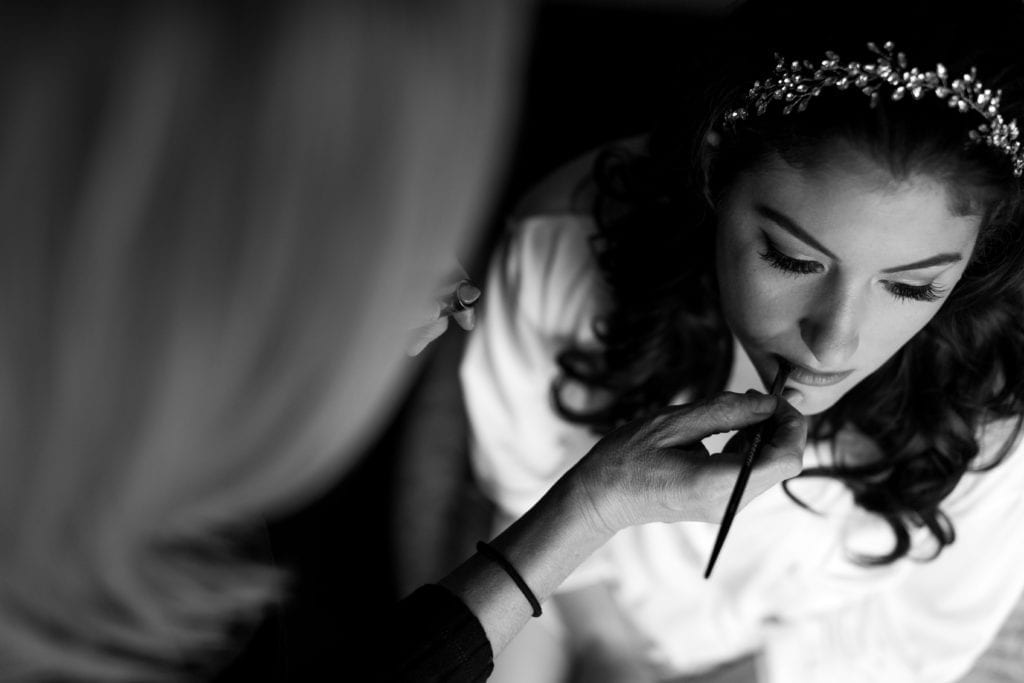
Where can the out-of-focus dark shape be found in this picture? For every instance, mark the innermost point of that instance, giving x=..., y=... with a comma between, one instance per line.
x=217, y=219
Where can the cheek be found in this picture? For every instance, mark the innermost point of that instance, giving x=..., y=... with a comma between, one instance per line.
x=895, y=322
x=893, y=325
x=757, y=303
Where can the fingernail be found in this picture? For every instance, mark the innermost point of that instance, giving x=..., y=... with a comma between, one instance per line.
x=467, y=293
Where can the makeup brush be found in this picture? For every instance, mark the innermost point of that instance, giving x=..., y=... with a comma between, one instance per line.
x=753, y=451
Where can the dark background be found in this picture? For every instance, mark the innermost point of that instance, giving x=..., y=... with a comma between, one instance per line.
x=594, y=72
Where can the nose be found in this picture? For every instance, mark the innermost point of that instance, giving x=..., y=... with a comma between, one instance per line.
x=831, y=326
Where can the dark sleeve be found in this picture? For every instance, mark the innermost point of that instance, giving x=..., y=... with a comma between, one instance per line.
x=437, y=638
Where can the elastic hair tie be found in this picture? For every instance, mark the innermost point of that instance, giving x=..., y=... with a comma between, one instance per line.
x=492, y=554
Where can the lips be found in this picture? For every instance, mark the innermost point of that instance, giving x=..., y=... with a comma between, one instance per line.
x=802, y=375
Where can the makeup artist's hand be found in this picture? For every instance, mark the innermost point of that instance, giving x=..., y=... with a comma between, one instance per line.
x=656, y=469
x=459, y=293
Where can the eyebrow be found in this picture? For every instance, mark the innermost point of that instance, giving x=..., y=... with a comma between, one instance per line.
x=791, y=226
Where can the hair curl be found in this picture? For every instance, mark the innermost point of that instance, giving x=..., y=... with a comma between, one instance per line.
x=664, y=332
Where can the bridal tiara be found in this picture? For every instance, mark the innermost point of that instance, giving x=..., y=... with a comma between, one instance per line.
x=795, y=83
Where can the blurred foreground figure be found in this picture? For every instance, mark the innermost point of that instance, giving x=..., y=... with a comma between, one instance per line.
x=217, y=222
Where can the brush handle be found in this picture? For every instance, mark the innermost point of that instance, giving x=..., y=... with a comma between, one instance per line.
x=737, y=494
x=753, y=451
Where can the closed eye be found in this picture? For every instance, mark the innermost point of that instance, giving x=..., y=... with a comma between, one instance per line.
x=899, y=290
x=775, y=258
x=904, y=292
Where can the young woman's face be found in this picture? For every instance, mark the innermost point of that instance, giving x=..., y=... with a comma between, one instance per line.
x=834, y=268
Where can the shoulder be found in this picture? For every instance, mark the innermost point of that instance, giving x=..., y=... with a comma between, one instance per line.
x=549, y=271
x=547, y=263
x=552, y=246
x=552, y=225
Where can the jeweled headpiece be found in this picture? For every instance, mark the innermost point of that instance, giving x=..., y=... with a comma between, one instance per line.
x=796, y=83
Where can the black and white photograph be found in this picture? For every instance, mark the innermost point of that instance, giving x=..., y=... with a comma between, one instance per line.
x=521, y=341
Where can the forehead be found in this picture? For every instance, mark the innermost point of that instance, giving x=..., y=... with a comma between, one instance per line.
x=853, y=205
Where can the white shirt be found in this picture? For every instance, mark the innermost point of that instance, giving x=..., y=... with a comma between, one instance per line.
x=784, y=585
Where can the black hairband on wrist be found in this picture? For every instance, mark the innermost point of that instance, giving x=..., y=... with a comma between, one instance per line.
x=492, y=554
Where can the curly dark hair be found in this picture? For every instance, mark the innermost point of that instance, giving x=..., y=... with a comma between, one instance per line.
x=664, y=332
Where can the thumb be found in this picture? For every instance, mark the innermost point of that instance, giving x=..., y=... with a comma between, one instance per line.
x=466, y=318
x=422, y=336
x=726, y=412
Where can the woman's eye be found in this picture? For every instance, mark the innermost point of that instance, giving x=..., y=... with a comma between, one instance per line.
x=905, y=292
x=900, y=290
x=777, y=259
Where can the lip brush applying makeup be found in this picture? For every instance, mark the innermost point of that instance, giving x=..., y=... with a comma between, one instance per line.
x=851, y=201
x=754, y=450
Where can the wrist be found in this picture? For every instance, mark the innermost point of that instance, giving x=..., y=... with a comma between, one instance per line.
x=564, y=526
x=589, y=505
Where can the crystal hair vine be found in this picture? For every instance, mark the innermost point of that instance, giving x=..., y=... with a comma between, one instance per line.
x=796, y=83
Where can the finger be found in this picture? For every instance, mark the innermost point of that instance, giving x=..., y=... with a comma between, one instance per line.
x=426, y=334
x=723, y=413
x=720, y=477
x=466, y=318
x=785, y=447
x=790, y=431
x=739, y=442
x=784, y=413
x=460, y=297
x=426, y=314
x=467, y=293
x=771, y=470
x=794, y=396
x=717, y=477
x=785, y=440
x=693, y=450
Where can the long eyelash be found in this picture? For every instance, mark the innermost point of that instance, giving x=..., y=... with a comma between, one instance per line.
x=899, y=290
x=905, y=292
x=777, y=259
